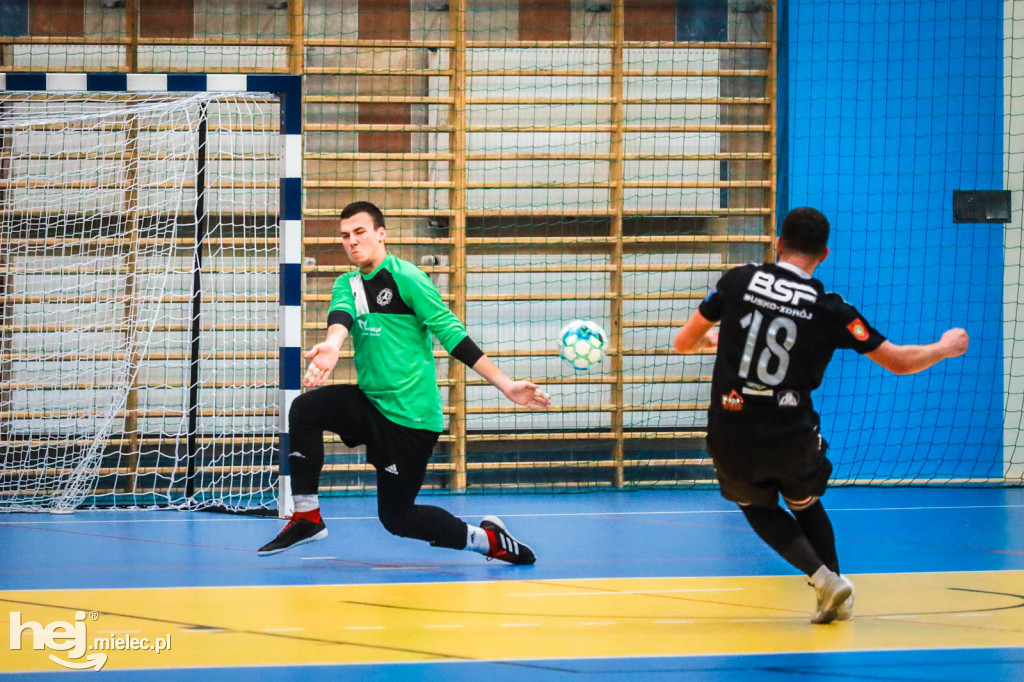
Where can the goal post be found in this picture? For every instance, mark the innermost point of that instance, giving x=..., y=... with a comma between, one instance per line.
x=150, y=289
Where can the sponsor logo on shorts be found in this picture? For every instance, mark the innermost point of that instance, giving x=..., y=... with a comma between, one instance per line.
x=788, y=398
x=858, y=329
x=732, y=402
x=391, y=469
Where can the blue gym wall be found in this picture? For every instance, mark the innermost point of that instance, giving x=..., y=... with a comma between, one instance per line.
x=887, y=107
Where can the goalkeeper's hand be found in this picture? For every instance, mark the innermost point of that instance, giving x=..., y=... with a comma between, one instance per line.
x=323, y=357
x=527, y=394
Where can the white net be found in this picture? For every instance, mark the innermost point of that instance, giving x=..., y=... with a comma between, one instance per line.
x=138, y=300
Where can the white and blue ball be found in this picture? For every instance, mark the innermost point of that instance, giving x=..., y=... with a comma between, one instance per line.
x=582, y=344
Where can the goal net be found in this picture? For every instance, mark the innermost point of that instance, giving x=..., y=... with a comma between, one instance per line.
x=138, y=300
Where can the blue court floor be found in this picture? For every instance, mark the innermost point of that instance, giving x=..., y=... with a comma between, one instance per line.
x=678, y=587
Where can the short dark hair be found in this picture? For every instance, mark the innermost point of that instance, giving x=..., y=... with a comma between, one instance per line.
x=363, y=207
x=805, y=230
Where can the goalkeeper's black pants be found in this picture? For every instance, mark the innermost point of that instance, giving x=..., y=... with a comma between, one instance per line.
x=398, y=453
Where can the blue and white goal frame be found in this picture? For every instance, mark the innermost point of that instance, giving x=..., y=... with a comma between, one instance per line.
x=288, y=89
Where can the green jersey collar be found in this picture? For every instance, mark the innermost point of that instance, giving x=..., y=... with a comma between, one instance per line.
x=377, y=269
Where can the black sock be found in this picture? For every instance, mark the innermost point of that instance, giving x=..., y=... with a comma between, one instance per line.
x=783, y=534
x=817, y=528
x=305, y=473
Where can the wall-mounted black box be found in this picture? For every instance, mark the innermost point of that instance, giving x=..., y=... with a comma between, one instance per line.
x=981, y=206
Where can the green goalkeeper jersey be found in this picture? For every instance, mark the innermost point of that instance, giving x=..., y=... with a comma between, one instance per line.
x=393, y=311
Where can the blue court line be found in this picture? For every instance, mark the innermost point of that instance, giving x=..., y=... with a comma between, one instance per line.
x=183, y=517
x=932, y=665
x=597, y=535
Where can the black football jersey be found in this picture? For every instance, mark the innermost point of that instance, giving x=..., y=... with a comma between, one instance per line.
x=778, y=331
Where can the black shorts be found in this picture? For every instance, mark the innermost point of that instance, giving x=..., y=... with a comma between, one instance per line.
x=795, y=466
x=400, y=455
x=391, y=448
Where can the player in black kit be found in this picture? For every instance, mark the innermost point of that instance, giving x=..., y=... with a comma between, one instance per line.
x=778, y=331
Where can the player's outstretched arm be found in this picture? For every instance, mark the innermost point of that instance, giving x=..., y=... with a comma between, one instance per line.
x=912, y=359
x=525, y=393
x=324, y=356
x=697, y=334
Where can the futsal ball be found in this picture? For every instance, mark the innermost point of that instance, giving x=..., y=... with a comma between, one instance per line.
x=582, y=344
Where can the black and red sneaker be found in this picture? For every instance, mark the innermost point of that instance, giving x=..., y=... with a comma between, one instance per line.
x=298, y=532
x=503, y=545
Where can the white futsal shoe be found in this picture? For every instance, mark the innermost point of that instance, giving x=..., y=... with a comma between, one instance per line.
x=845, y=610
x=832, y=593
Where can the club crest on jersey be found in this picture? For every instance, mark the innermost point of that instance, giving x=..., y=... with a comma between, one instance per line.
x=732, y=402
x=384, y=297
x=858, y=329
x=788, y=398
x=781, y=290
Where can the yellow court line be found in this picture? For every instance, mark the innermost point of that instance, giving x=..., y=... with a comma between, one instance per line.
x=512, y=620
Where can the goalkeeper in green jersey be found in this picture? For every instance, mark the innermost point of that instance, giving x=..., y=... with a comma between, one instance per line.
x=390, y=308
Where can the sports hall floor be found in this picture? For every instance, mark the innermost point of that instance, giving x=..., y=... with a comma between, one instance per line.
x=663, y=585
